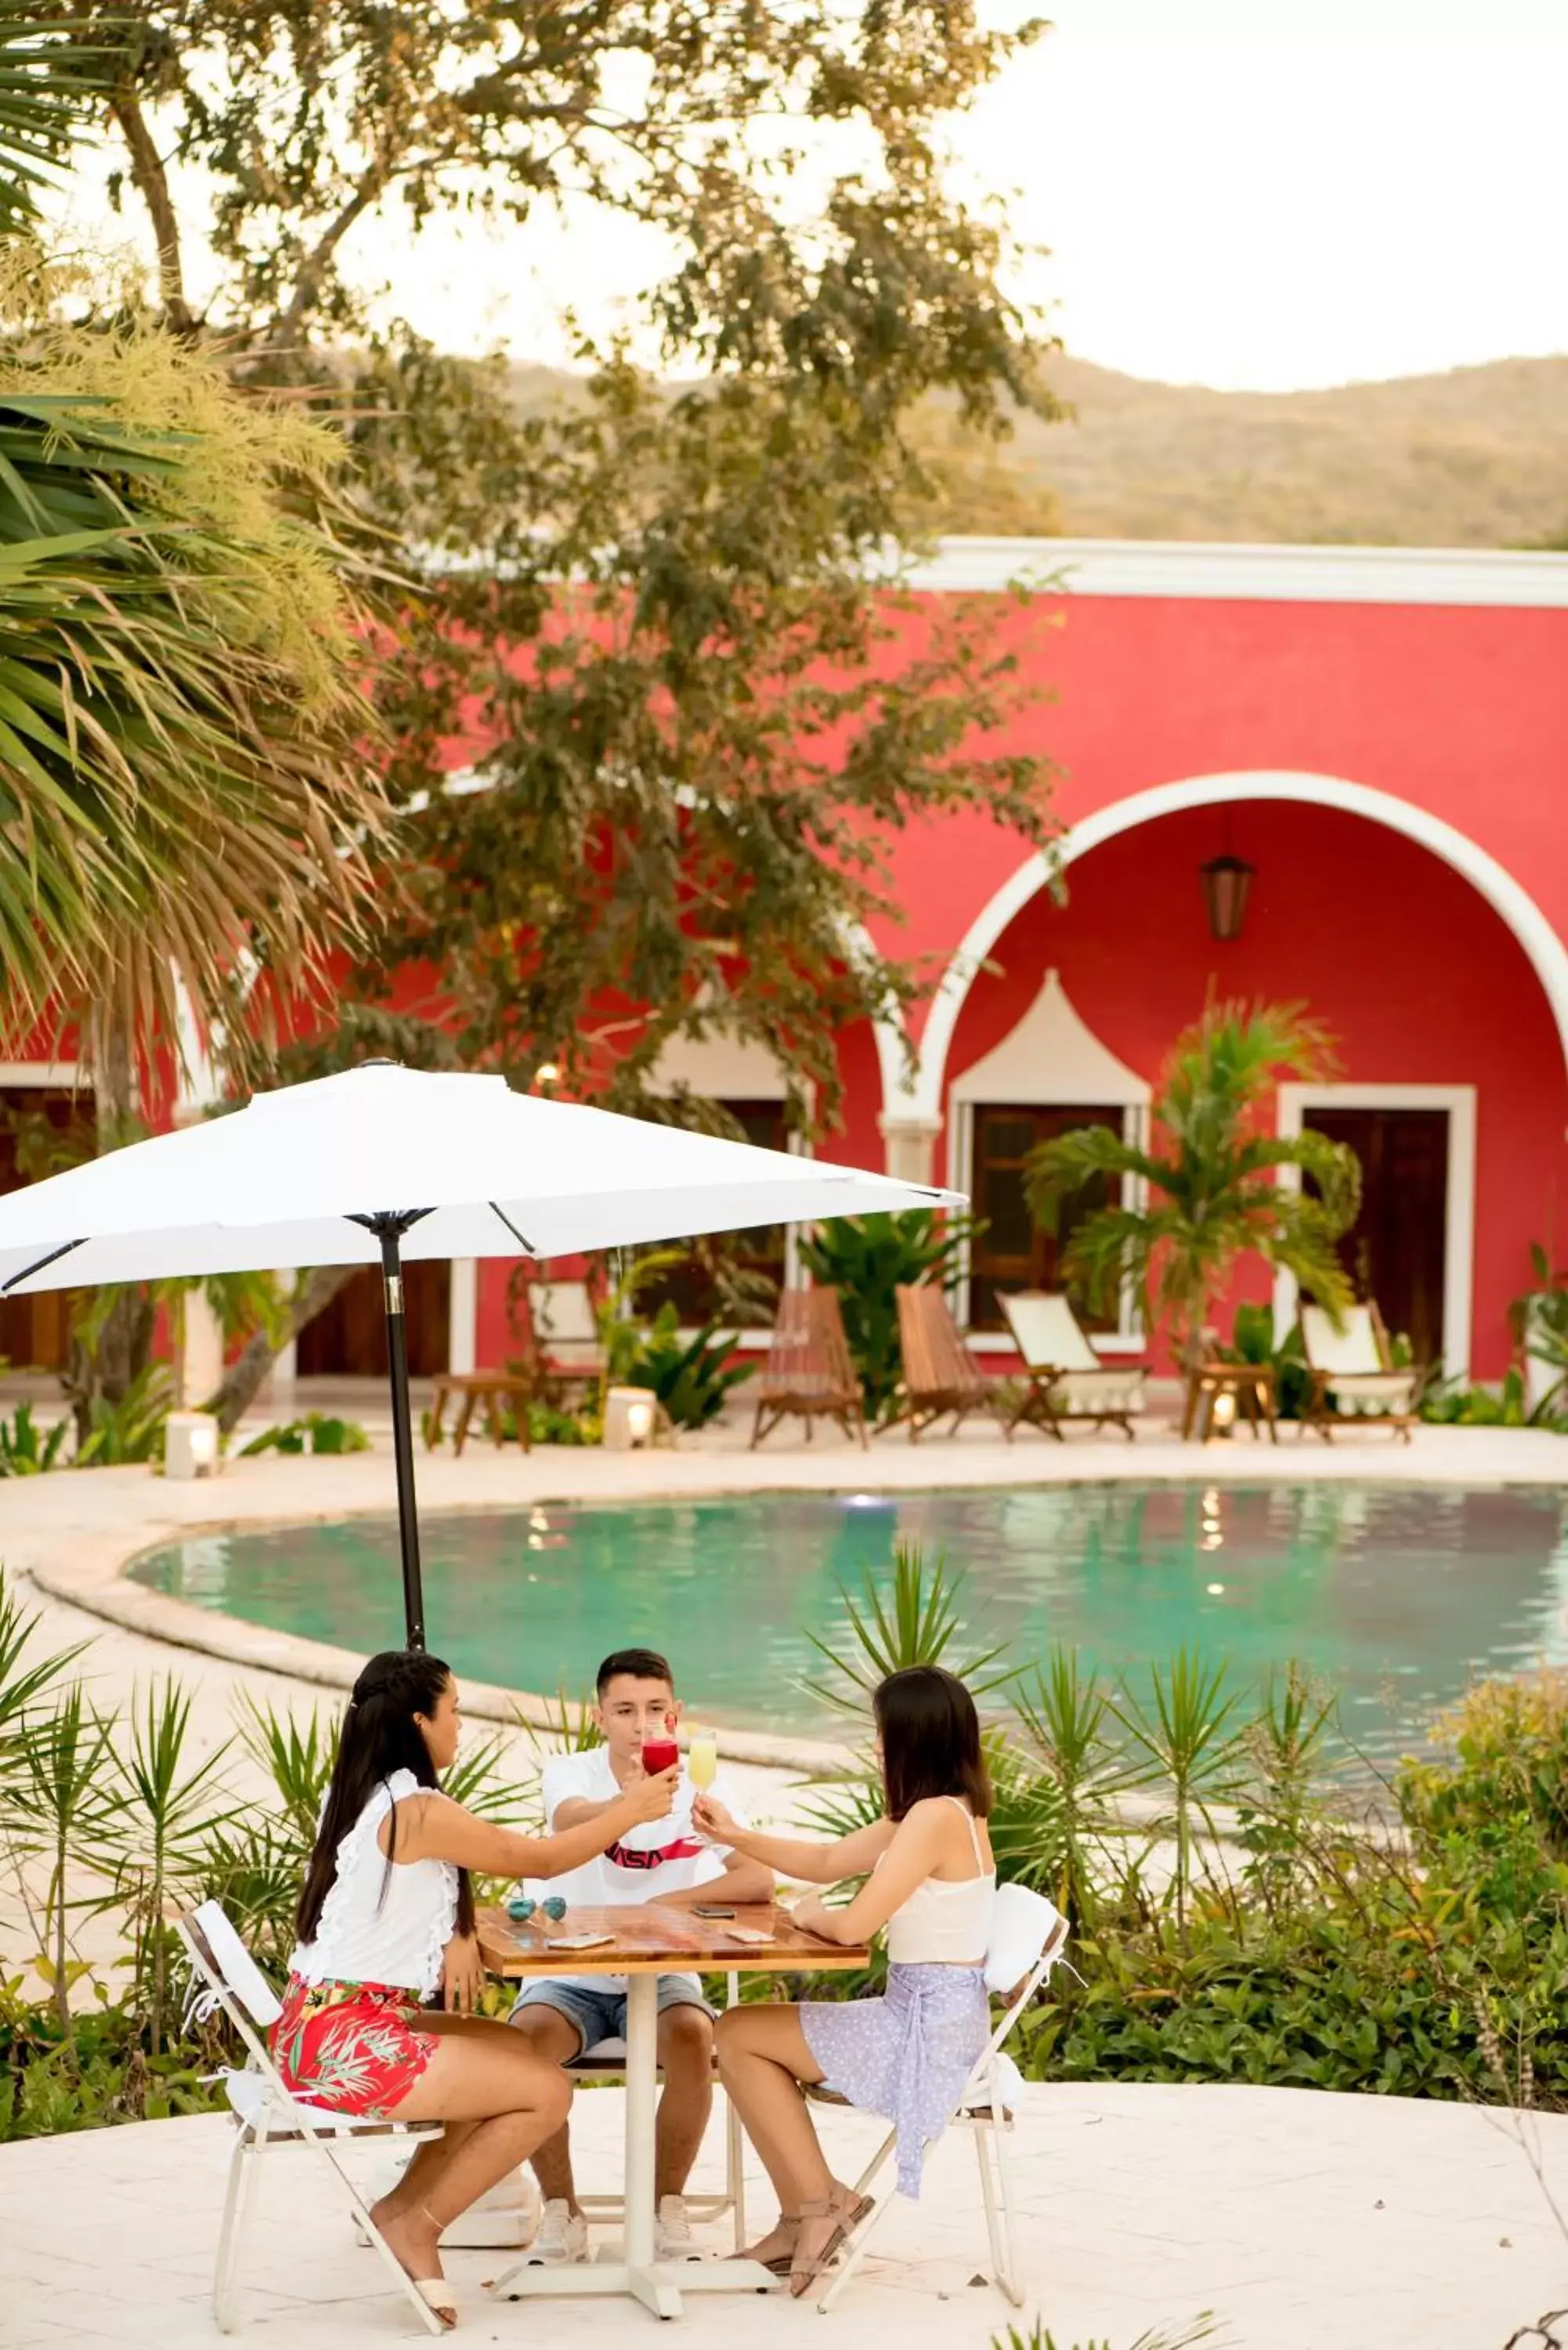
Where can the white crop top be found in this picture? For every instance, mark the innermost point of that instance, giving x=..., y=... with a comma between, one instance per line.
x=359, y=1937
x=946, y=1923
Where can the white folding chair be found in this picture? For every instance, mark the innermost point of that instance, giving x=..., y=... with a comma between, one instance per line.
x=266, y=2115
x=1028, y=1936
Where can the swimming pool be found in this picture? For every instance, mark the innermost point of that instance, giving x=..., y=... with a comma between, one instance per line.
x=1393, y=1597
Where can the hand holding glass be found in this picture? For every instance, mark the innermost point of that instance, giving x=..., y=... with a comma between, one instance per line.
x=711, y=1820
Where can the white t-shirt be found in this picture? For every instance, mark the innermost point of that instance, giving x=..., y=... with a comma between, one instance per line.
x=633, y=1870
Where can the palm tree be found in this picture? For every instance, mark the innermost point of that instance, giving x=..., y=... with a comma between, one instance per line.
x=185, y=778
x=1209, y=1177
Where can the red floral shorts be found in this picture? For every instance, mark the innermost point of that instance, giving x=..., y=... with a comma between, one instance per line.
x=355, y=2047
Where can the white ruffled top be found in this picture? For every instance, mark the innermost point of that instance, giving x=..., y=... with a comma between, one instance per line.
x=362, y=1938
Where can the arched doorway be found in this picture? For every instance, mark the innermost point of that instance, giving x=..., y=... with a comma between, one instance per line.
x=1450, y=1040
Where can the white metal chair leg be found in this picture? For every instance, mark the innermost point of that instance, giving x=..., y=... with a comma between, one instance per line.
x=883, y=2156
x=1008, y=2277
x=228, y=2322
x=225, y=2268
x=735, y=2169
x=983, y=2135
x=854, y=2251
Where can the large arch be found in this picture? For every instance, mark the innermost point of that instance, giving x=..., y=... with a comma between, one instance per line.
x=1545, y=950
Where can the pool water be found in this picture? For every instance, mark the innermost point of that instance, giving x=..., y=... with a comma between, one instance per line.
x=1395, y=1599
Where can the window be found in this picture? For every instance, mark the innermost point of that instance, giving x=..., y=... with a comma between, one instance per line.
x=34, y=1331
x=1014, y=1253
x=693, y=1287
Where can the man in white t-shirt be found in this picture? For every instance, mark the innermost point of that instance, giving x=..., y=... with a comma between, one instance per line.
x=664, y=1862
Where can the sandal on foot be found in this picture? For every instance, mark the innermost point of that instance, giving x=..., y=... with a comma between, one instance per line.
x=437, y=2294
x=782, y=2237
x=847, y=2209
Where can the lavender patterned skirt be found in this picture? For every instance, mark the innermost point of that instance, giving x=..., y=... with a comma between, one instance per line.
x=906, y=2055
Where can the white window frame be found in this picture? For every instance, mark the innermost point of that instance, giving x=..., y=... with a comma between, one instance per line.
x=1459, y=1195
x=1127, y=1337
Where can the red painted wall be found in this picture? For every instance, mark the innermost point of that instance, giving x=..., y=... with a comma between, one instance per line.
x=1420, y=981
x=1460, y=710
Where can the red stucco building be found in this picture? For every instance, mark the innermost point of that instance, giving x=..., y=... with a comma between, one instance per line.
x=1382, y=735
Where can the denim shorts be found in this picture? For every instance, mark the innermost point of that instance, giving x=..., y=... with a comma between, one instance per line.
x=601, y=2014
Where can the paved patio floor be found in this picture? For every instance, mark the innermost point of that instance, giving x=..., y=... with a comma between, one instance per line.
x=1301, y=2222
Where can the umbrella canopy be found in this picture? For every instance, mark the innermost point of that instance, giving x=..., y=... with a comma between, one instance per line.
x=382, y=1164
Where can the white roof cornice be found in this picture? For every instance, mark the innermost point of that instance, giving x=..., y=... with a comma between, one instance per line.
x=1287, y=575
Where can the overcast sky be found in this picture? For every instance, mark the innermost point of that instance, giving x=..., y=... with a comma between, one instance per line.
x=1258, y=193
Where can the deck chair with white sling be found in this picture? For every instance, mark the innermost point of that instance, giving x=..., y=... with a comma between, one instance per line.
x=226, y=1978
x=1067, y=1380
x=1028, y=1938
x=1354, y=1375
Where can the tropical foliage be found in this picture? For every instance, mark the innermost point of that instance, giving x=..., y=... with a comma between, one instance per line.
x=1210, y=1177
x=693, y=1377
x=1253, y=1341
x=694, y=767
x=119, y=1814
x=316, y=1431
x=182, y=729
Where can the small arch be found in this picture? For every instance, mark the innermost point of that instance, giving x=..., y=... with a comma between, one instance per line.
x=1545, y=951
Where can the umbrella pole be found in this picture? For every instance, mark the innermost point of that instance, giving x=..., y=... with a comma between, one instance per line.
x=388, y=1231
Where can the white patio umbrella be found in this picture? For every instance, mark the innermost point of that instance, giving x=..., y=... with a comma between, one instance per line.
x=384, y=1164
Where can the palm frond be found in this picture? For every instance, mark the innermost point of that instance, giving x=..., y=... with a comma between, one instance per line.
x=184, y=745
x=49, y=81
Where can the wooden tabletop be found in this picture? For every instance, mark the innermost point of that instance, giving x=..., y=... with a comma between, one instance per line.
x=648, y=1939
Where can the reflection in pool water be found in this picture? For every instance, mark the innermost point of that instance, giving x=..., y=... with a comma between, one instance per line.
x=1395, y=1597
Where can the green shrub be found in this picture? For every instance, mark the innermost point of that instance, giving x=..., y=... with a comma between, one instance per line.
x=25, y=1449
x=1253, y=1341
x=131, y=1430
x=315, y=1431
x=108, y=2074
x=692, y=1377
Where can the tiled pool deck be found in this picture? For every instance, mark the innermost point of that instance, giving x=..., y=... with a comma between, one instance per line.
x=1304, y=2222
x=1301, y=2222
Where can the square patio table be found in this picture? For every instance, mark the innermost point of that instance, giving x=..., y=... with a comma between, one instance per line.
x=647, y=1941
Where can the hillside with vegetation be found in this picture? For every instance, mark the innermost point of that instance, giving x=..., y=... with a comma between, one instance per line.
x=1477, y=457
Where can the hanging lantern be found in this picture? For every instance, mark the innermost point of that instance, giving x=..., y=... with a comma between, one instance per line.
x=1226, y=882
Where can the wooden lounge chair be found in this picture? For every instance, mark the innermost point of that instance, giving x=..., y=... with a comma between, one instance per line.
x=940, y=1375
x=1353, y=1373
x=808, y=1373
x=1067, y=1380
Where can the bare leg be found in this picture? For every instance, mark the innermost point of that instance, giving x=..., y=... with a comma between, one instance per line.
x=432, y=2154
x=556, y=2040
x=482, y=2076
x=764, y=2057
x=686, y=2052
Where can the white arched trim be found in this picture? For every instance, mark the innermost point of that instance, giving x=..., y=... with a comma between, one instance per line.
x=1547, y=955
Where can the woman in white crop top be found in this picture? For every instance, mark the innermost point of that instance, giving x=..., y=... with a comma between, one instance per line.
x=931, y=1880
x=386, y=1921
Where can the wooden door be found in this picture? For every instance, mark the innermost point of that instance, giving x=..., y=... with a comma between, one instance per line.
x=349, y=1338
x=35, y=1332
x=1014, y=1253
x=1395, y=1252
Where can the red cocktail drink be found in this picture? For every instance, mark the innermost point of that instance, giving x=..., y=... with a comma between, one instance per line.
x=659, y=1754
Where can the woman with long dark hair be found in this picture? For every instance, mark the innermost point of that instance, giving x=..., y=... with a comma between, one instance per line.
x=931, y=1880
x=385, y=1921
